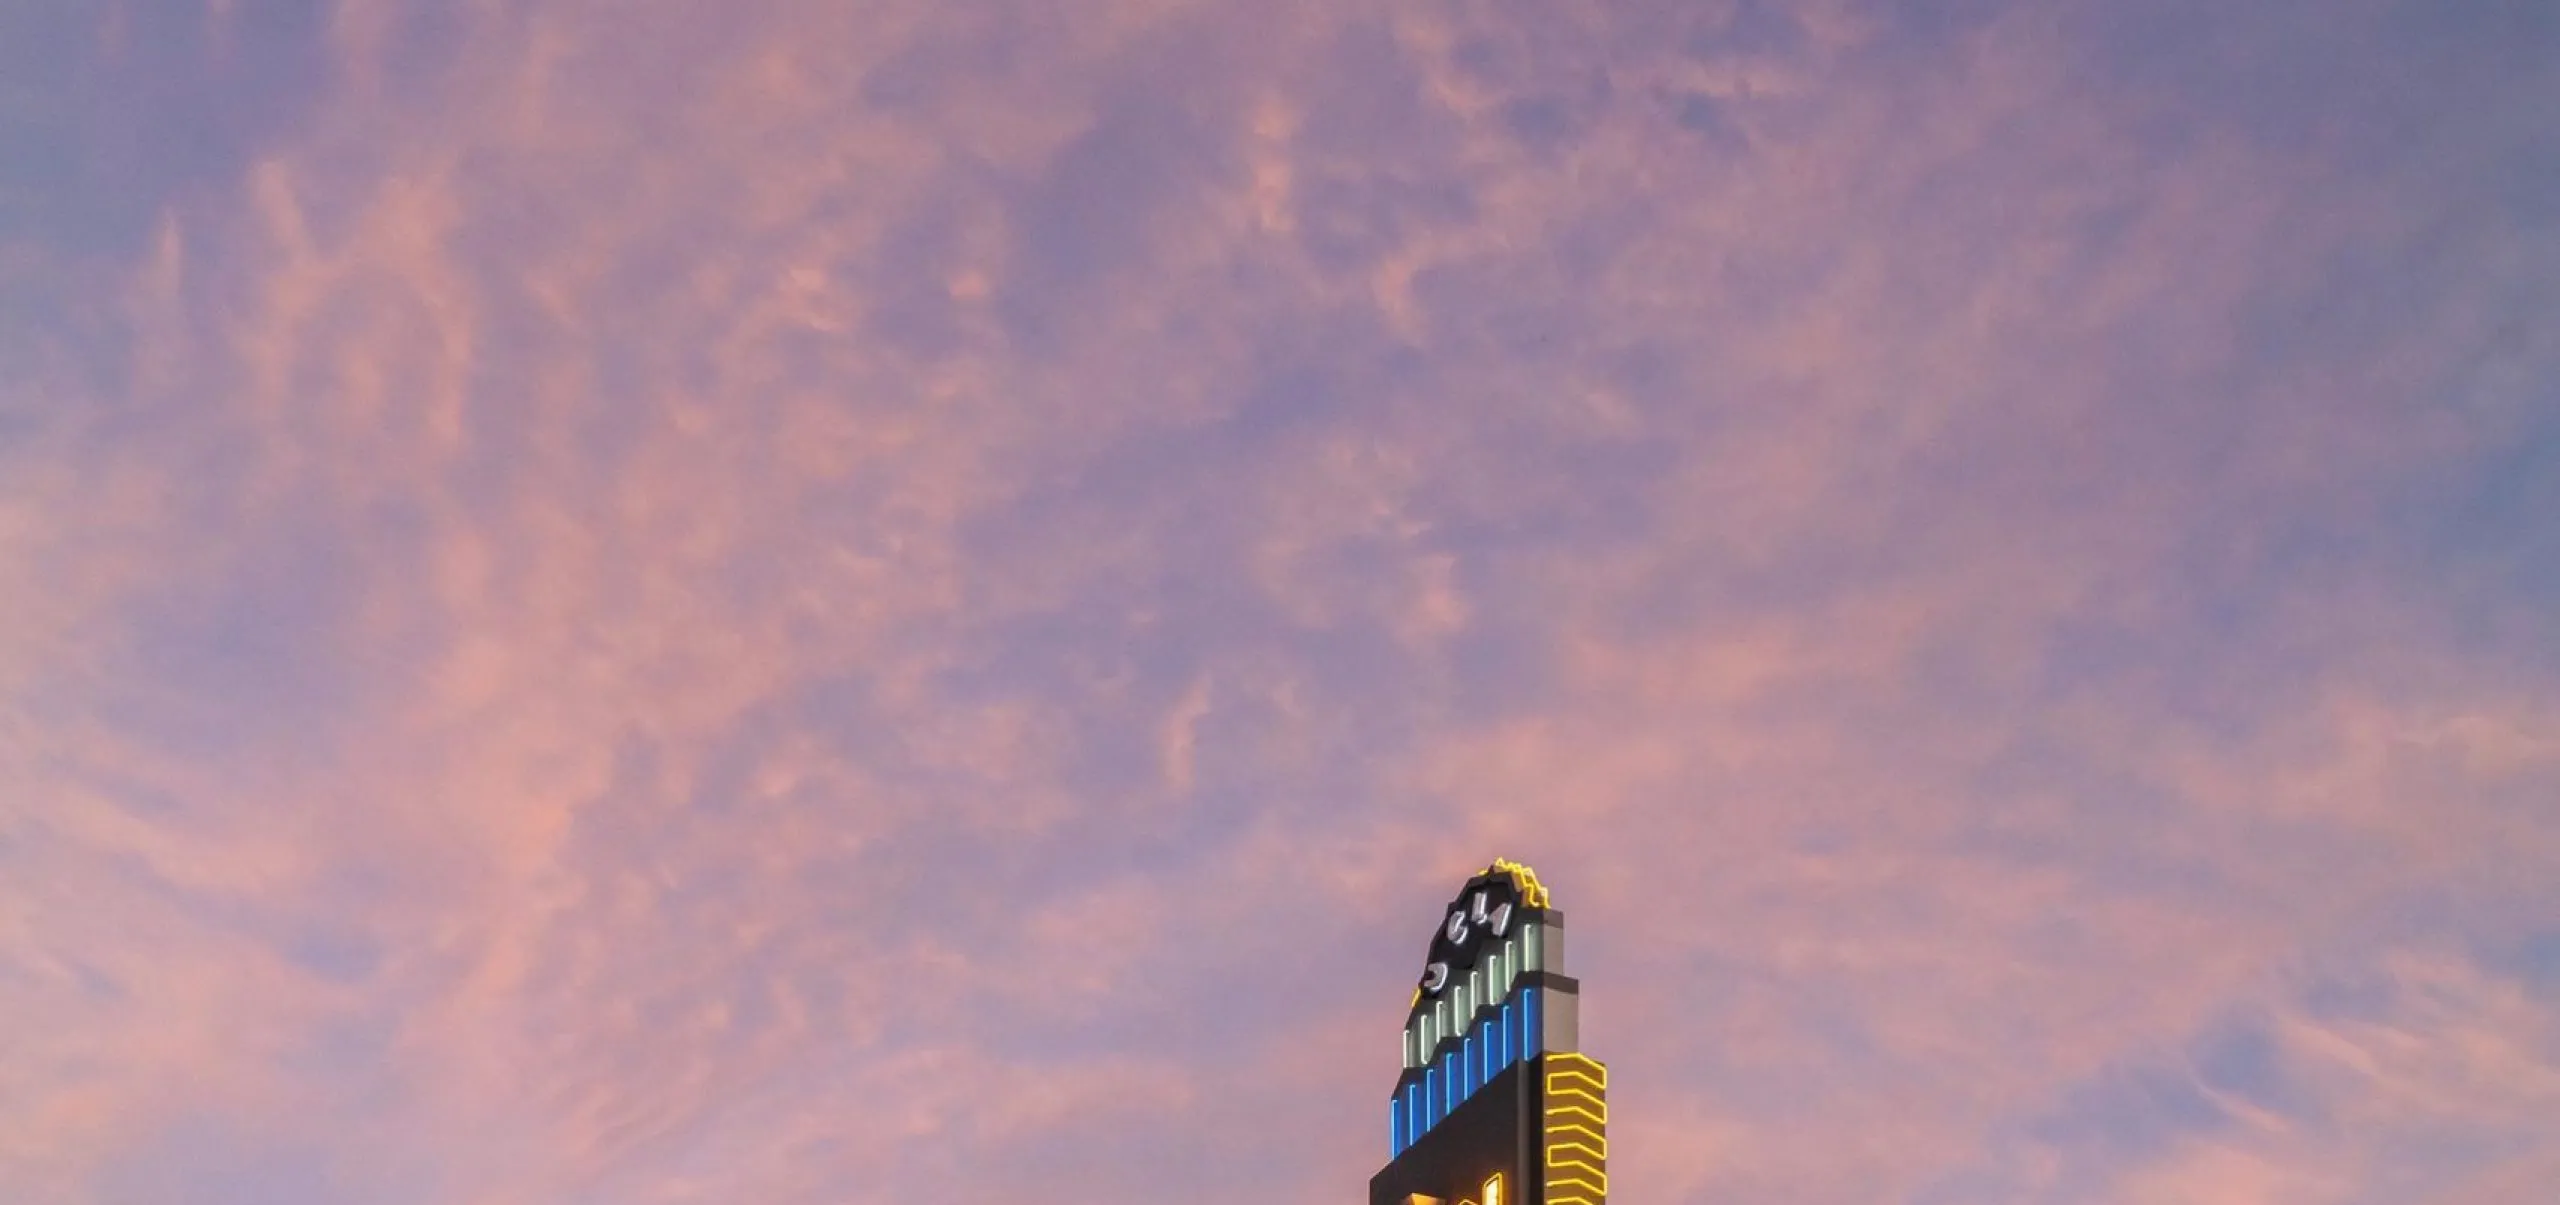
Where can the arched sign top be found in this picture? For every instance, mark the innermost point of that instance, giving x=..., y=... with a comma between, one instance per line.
x=1492, y=906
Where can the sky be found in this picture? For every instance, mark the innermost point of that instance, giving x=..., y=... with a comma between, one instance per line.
x=922, y=600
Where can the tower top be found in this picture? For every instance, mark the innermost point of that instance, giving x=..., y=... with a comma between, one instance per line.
x=1496, y=1104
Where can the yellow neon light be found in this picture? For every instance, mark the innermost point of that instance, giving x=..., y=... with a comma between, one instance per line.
x=1532, y=892
x=1577, y=1149
x=1567, y=1062
x=1575, y=1079
x=1568, y=1132
x=1576, y=1146
x=1492, y=1191
x=1575, y=1182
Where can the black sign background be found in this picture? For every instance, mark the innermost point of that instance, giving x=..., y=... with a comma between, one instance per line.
x=1501, y=893
x=1496, y=1130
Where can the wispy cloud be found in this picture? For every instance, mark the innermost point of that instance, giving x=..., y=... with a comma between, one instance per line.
x=824, y=603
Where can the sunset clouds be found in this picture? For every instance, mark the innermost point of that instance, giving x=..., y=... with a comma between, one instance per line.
x=807, y=602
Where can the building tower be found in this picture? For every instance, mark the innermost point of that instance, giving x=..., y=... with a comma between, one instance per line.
x=1496, y=1104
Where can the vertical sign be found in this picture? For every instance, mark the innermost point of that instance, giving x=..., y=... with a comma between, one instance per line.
x=1496, y=1104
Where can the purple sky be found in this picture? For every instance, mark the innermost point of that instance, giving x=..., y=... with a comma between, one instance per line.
x=820, y=602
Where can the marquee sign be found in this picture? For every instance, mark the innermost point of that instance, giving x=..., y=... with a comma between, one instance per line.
x=1495, y=1105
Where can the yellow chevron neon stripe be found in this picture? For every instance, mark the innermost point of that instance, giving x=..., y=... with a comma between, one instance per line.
x=1576, y=1147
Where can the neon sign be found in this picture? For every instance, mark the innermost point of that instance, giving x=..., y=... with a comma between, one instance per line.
x=1495, y=1105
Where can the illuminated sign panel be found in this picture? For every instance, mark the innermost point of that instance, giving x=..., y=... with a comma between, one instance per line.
x=1495, y=1105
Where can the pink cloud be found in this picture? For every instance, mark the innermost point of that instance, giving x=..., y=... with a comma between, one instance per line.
x=906, y=605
